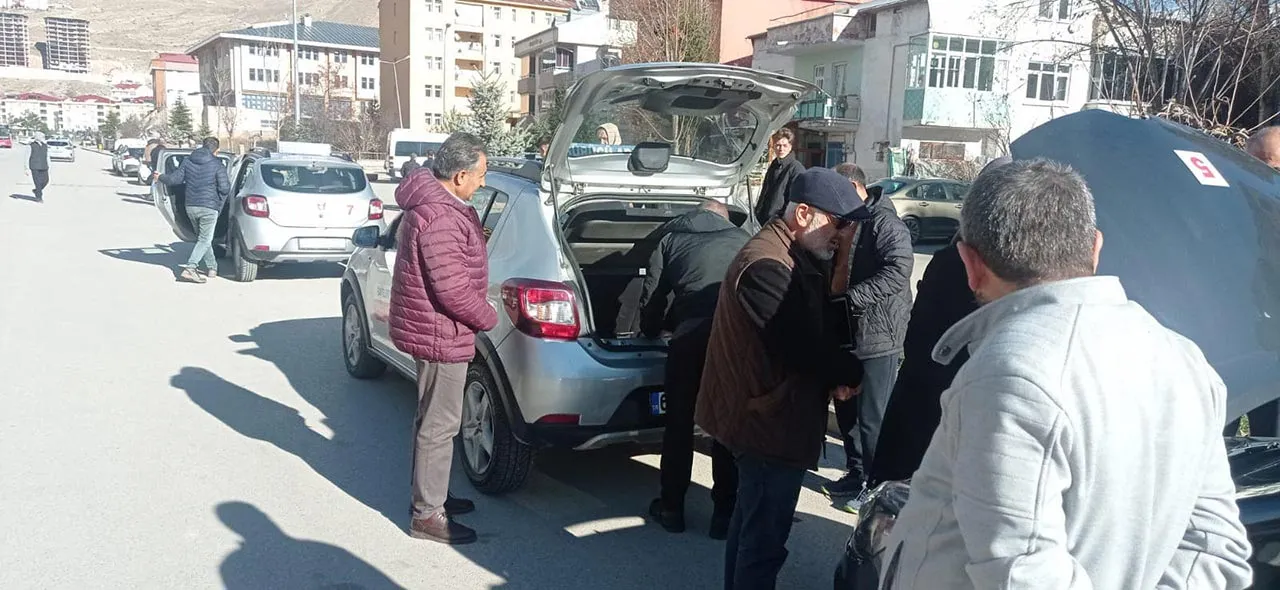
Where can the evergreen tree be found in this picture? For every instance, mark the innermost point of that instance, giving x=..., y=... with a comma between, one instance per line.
x=111, y=126
x=490, y=109
x=180, y=118
x=204, y=130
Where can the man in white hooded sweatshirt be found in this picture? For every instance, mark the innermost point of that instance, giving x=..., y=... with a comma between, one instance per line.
x=1080, y=446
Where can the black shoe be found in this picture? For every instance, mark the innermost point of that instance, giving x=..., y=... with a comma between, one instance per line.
x=848, y=486
x=671, y=520
x=441, y=529
x=720, y=523
x=454, y=506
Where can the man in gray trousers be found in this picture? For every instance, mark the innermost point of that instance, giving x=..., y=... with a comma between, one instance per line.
x=206, y=184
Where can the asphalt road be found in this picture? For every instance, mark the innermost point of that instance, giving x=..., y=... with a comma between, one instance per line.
x=156, y=434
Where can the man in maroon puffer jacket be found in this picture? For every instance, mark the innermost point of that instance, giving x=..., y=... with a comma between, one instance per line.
x=438, y=303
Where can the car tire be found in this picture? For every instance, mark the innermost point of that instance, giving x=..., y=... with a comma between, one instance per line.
x=913, y=228
x=246, y=270
x=484, y=424
x=356, y=355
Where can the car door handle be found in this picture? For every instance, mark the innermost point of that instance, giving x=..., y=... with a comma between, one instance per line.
x=959, y=205
x=924, y=204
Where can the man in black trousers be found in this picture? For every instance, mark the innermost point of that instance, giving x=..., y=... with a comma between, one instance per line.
x=37, y=166
x=687, y=267
x=879, y=301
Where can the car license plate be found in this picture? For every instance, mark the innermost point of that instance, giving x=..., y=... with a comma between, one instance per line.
x=322, y=243
x=658, y=403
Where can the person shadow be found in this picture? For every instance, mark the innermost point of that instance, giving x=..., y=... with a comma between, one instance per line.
x=268, y=557
x=22, y=197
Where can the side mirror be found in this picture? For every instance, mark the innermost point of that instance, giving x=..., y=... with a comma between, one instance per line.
x=366, y=237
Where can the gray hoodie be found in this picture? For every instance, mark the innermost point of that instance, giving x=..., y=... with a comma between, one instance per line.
x=1080, y=447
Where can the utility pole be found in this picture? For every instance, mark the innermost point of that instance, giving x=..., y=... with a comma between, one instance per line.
x=297, y=77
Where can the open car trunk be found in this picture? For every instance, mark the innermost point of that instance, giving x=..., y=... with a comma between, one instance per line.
x=611, y=242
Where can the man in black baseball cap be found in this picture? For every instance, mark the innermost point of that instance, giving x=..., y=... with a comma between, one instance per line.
x=772, y=366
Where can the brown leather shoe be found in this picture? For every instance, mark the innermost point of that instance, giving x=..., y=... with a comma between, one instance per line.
x=441, y=529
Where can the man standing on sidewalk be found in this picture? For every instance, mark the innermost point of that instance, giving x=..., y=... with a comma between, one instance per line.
x=37, y=166
x=879, y=299
x=438, y=303
x=772, y=368
x=206, y=187
x=687, y=268
x=409, y=166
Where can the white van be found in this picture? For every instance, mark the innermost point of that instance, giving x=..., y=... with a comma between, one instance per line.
x=401, y=143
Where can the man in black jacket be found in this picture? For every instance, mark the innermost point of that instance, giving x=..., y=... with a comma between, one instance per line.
x=777, y=180
x=206, y=188
x=879, y=300
x=687, y=267
x=37, y=165
x=409, y=166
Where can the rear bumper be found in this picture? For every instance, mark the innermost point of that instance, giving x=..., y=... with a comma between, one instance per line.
x=608, y=391
x=264, y=241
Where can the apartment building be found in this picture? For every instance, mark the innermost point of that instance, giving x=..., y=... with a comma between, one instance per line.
x=174, y=77
x=933, y=80
x=434, y=51
x=552, y=60
x=70, y=114
x=247, y=74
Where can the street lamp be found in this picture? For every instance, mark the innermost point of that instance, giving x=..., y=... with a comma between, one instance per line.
x=297, y=82
x=395, y=72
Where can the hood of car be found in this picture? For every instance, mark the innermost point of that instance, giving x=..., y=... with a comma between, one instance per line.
x=714, y=119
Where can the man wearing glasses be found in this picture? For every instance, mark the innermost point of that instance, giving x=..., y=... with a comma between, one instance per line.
x=773, y=365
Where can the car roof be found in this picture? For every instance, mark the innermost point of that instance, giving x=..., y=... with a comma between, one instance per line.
x=305, y=159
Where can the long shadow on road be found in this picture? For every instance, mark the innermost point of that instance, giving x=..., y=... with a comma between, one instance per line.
x=176, y=253
x=576, y=524
x=269, y=557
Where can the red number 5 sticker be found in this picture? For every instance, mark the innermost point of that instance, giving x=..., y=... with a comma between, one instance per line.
x=1201, y=168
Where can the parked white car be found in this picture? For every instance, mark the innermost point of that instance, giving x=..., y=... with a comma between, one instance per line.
x=61, y=150
x=126, y=159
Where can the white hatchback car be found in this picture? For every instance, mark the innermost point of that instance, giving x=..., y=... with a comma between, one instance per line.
x=61, y=150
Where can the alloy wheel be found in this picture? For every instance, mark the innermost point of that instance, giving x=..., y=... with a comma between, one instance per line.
x=477, y=427
x=351, y=335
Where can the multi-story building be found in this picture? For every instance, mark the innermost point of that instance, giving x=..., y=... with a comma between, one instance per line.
x=551, y=60
x=930, y=80
x=46, y=107
x=67, y=47
x=78, y=113
x=434, y=51
x=86, y=112
x=176, y=77
x=247, y=80
x=13, y=40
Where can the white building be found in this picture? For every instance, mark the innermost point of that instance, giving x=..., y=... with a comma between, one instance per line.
x=176, y=77
x=931, y=79
x=434, y=51
x=78, y=113
x=586, y=41
x=247, y=73
x=86, y=112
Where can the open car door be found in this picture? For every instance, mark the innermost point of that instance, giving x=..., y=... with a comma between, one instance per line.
x=167, y=199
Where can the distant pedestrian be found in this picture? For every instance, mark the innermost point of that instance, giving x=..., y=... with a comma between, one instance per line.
x=782, y=171
x=409, y=166
x=772, y=368
x=37, y=165
x=438, y=303
x=205, y=184
x=1265, y=145
x=687, y=268
x=544, y=144
x=879, y=300
x=1080, y=446
x=153, y=159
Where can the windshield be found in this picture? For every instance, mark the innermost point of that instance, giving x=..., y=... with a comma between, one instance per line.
x=4, y=132
x=696, y=122
x=423, y=149
x=135, y=152
x=890, y=185
x=299, y=178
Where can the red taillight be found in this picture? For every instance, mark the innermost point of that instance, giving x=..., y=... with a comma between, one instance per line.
x=571, y=419
x=542, y=309
x=375, y=209
x=256, y=206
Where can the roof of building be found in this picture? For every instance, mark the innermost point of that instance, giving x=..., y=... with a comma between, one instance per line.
x=128, y=86
x=90, y=98
x=177, y=58
x=554, y=4
x=324, y=32
x=40, y=96
x=140, y=100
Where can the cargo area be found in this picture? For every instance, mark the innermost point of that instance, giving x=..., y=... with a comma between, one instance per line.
x=611, y=241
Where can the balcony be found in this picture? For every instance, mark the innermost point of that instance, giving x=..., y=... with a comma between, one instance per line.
x=466, y=78
x=527, y=85
x=557, y=77
x=830, y=113
x=819, y=33
x=956, y=108
x=468, y=25
x=469, y=51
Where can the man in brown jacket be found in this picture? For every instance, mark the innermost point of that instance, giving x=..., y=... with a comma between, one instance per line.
x=772, y=367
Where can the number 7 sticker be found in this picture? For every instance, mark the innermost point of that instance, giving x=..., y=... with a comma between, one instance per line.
x=1202, y=168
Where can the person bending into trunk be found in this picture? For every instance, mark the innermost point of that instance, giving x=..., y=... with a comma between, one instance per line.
x=206, y=188
x=37, y=166
x=687, y=268
x=772, y=367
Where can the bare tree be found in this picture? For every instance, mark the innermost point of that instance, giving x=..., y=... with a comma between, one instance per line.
x=220, y=93
x=671, y=30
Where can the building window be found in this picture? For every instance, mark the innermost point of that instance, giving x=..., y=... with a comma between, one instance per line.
x=533, y=17
x=564, y=58
x=268, y=123
x=435, y=119
x=265, y=50
x=435, y=6
x=306, y=79
x=366, y=84
x=367, y=60
x=1055, y=9
x=937, y=150
x=434, y=34
x=310, y=54
x=495, y=40
x=1048, y=81
x=262, y=102
x=838, y=83
x=513, y=15
x=342, y=82
x=550, y=18
x=434, y=90
x=820, y=76
x=340, y=57
x=497, y=13
x=253, y=74
x=513, y=70
x=962, y=62
x=496, y=67
x=513, y=41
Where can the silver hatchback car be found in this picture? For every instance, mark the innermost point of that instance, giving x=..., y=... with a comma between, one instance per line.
x=284, y=208
x=568, y=245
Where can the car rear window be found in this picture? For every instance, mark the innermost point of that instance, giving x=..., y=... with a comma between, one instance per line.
x=135, y=152
x=56, y=143
x=313, y=178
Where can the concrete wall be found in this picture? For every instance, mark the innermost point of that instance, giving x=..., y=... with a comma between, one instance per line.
x=740, y=18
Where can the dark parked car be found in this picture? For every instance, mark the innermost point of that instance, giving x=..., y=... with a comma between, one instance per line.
x=1194, y=236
